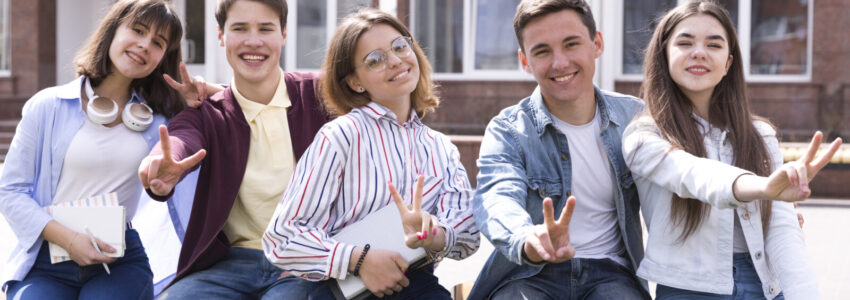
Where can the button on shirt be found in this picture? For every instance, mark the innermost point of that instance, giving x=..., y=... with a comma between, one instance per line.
x=270, y=165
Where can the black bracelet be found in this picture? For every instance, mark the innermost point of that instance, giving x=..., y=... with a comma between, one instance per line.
x=360, y=260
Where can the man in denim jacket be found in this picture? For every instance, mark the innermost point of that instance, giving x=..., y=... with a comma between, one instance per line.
x=562, y=141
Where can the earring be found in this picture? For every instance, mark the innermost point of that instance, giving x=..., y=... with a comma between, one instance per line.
x=360, y=89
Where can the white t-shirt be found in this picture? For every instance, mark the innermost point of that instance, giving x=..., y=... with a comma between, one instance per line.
x=102, y=160
x=594, y=230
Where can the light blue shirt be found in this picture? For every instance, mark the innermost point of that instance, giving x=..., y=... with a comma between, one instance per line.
x=50, y=119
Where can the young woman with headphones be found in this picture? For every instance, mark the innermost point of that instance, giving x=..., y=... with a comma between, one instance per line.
x=84, y=139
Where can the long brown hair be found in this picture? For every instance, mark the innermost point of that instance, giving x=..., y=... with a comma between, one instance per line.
x=728, y=109
x=338, y=97
x=93, y=60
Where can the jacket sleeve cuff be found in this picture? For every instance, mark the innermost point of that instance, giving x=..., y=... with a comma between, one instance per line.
x=733, y=200
x=157, y=197
x=517, y=247
x=39, y=220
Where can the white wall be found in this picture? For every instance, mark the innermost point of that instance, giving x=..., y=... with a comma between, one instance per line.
x=75, y=22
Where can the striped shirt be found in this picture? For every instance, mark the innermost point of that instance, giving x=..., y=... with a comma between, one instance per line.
x=342, y=178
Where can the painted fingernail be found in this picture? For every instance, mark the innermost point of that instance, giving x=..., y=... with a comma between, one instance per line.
x=419, y=236
x=435, y=231
x=425, y=235
x=405, y=272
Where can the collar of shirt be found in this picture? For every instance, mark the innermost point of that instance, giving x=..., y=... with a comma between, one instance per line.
x=544, y=117
x=378, y=111
x=252, y=109
x=713, y=133
x=74, y=91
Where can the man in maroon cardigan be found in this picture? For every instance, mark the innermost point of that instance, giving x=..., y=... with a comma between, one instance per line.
x=247, y=139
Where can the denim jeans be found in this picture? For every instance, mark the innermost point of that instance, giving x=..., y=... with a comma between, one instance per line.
x=130, y=278
x=423, y=285
x=747, y=285
x=578, y=278
x=241, y=274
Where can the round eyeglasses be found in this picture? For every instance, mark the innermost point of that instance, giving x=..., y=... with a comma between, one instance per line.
x=377, y=60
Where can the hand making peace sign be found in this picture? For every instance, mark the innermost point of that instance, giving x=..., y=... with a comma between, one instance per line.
x=421, y=229
x=160, y=173
x=193, y=89
x=550, y=241
x=791, y=181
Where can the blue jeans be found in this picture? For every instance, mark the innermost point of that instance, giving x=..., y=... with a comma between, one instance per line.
x=747, y=285
x=241, y=274
x=578, y=278
x=423, y=285
x=131, y=277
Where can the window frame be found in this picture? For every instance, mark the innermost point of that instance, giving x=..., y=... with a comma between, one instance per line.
x=290, y=52
x=745, y=41
x=7, y=40
x=468, y=72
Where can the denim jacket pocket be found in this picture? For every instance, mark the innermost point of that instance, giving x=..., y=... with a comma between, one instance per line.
x=545, y=189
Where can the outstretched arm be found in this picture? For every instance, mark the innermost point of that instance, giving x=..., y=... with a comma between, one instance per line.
x=499, y=203
x=790, y=182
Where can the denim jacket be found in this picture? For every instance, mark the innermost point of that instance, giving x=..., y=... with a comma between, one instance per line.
x=703, y=261
x=525, y=159
x=50, y=120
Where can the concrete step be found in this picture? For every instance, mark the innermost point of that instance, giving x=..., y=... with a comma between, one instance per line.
x=8, y=125
x=6, y=137
x=7, y=132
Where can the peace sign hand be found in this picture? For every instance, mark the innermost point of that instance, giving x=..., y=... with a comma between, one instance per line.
x=160, y=173
x=421, y=229
x=791, y=181
x=550, y=241
x=193, y=89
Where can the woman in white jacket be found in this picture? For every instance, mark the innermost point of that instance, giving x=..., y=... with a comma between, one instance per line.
x=707, y=170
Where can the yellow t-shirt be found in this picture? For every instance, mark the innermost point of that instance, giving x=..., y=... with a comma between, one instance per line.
x=271, y=162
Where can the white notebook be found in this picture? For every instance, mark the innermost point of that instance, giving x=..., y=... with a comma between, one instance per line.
x=381, y=230
x=101, y=214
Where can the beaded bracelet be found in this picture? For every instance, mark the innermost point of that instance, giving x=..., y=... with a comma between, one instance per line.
x=360, y=260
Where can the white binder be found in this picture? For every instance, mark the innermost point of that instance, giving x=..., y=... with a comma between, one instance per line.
x=381, y=229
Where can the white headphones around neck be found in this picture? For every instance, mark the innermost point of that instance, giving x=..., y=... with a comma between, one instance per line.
x=103, y=111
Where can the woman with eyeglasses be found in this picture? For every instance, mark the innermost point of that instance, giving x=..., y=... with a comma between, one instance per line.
x=377, y=151
x=86, y=138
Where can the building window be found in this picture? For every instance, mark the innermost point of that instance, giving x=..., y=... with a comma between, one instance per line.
x=495, y=40
x=313, y=29
x=779, y=37
x=312, y=34
x=5, y=32
x=193, y=50
x=468, y=39
x=639, y=20
x=775, y=41
x=438, y=28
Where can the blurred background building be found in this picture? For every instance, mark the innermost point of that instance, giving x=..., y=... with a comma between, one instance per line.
x=796, y=56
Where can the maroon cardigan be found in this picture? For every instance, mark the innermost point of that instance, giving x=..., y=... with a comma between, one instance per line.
x=219, y=126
